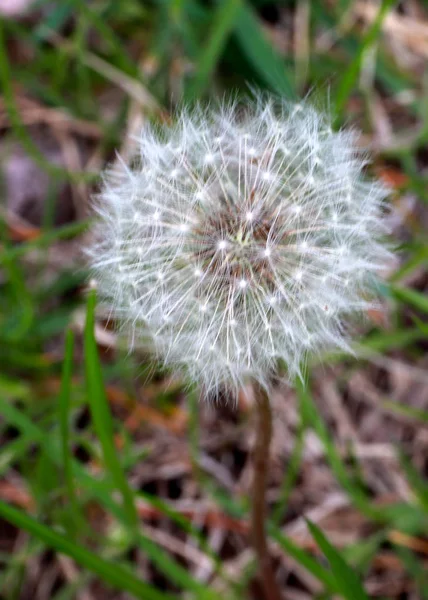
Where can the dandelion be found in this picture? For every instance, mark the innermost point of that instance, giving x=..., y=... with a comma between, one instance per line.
x=241, y=236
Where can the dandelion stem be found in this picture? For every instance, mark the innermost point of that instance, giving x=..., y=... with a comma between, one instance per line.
x=258, y=521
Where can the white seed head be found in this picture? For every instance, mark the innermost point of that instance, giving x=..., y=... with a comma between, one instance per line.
x=240, y=237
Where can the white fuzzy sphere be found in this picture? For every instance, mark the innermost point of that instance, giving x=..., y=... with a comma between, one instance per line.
x=240, y=236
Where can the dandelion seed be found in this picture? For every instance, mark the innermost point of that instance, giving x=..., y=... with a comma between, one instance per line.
x=235, y=268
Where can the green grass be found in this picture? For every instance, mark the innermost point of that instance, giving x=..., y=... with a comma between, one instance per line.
x=101, y=416
x=90, y=508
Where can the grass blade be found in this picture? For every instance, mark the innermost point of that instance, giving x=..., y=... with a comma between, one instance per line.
x=412, y=297
x=101, y=415
x=16, y=122
x=264, y=59
x=44, y=240
x=306, y=561
x=351, y=74
x=64, y=413
x=402, y=516
x=350, y=586
x=224, y=19
x=100, y=491
x=311, y=415
x=418, y=484
x=290, y=478
x=104, y=428
x=382, y=341
x=411, y=412
x=416, y=569
x=112, y=573
x=363, y=552
x=419, y=257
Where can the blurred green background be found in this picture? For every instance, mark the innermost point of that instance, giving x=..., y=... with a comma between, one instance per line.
x=115, y=482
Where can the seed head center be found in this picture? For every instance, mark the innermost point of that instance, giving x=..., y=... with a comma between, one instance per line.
x=235, y=248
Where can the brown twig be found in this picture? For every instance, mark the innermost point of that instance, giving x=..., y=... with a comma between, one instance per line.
x=261, y=464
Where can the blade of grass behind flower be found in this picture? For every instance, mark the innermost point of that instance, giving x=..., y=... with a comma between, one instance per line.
x=348, y=582
x=362, y=553
x=44, y=240
x=305, y=560
x=416, y=569
x=381, y=341
x=19, y=128
x=293, y=468
x=350, y=76
x=336, y=463
x=402, y=516
x=100, y=490
x=410, y=296
x=419, y=257
x=412, y=412
x=64, y=418
x=416, y=481
x=266, y=62
x=112, y=573
x=104, y=427
x=223, y=21
x=101, y=415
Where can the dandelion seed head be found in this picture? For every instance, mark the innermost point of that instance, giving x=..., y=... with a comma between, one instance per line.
x=243, y=236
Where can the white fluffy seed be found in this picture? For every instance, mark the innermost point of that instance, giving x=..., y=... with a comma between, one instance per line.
x=181, y=250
